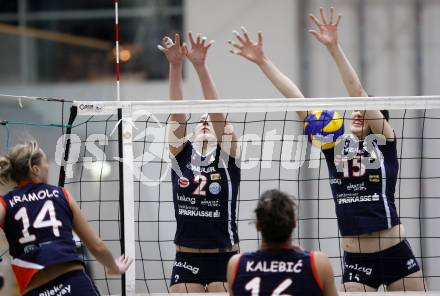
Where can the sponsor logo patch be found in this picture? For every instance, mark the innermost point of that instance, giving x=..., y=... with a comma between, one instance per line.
x=411, y=263
x=356, y=199
x=215, y=188
x=215, y=177
x=356, y=187
x=183, y=182
x=183, y=198
x=374, y=178
x=193, y=269
x=210, y=203
x=335, y=181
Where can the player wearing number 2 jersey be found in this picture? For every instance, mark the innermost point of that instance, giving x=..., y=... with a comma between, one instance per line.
x=279, y=267
x=205, y=180
x=38, y=220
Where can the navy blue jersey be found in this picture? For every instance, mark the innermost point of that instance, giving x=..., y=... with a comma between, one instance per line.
x=363, y=185
x=38, y=227
x=205, y=192
x=276, y=272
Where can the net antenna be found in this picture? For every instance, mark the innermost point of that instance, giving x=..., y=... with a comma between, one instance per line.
x=126, y=188
x=118, y=90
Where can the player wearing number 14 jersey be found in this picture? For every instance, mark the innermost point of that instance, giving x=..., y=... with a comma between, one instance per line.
x=279, y=267
x=38, y=220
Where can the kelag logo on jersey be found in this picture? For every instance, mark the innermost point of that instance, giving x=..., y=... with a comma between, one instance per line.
x=215, y=188
x=183, y=182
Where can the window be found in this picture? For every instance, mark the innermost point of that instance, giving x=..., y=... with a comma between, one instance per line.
x=73, y=41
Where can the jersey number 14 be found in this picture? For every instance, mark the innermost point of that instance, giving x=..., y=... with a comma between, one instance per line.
x=48, y=208
x=254, y=287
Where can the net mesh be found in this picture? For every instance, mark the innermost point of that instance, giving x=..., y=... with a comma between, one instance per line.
x=275, y=154
x=92, y=177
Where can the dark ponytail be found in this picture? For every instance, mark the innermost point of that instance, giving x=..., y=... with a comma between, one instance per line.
x=276, y=217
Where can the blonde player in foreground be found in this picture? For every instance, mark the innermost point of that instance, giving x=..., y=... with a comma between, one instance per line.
x=38, y=220
x=279, y=267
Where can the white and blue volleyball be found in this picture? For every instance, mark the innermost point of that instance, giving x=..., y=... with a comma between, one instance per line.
x=323, y=128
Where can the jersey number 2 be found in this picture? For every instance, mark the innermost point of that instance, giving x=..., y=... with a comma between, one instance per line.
x=48, y=208
x=254, y=287
x=201, y=180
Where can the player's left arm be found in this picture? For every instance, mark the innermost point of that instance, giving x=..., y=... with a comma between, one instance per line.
x=197, y=55
x=232, y=272
x=2, y=212
x=328, y=36
x=325, y=274
x=92, y=241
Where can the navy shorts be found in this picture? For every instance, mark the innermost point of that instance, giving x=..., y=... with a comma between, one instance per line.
x=200, y=268
x=76, y=283
x=384, y=267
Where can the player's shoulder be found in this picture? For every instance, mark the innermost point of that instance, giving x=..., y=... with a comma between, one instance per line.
x=319, y=259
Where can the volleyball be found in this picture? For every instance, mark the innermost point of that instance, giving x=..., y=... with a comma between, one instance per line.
x=322, y=124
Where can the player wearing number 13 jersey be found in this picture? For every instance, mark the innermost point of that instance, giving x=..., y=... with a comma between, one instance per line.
x=279, y=267
x=38, y=220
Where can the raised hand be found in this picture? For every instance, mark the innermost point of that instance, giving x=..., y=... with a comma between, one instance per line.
x=199, y=49
x=122, y=264
x=174, y=51
x=328, y=27
x=247, y=48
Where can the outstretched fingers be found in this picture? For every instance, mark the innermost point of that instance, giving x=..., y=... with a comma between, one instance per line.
x=314, y=33
x=332, y=14
x=233, y=44
x=191, y=39
x=323, y=17
x=177, y=39
x=338, y=20
x=245, y=34
x=315, y=20
x=260, y=38
x=237, y=35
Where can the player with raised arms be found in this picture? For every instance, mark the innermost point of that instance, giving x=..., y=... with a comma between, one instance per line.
x=205, y=180
x=38, y=220
x=373, y=238
x=279, y=267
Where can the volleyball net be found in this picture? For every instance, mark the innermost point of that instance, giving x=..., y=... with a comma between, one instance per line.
x=114, y=160
x=118, y=160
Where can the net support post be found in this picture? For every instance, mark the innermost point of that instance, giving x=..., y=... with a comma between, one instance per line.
x=127, y=204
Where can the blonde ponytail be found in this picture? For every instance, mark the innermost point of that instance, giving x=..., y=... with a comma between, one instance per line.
x=5, y=170
x=17, y=164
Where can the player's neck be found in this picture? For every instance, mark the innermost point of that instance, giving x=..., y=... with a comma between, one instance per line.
x=204, y=147
x=286, y=245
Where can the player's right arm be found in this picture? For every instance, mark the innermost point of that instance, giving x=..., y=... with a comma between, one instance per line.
x=325, y=274
x=95, y=245
x=327, y=34
x=232, y=272
x=175, y=54
x=2, y=212
x=254, y=52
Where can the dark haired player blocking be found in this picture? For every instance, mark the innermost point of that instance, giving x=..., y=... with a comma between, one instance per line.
x=362, y=177
x=279, y=267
